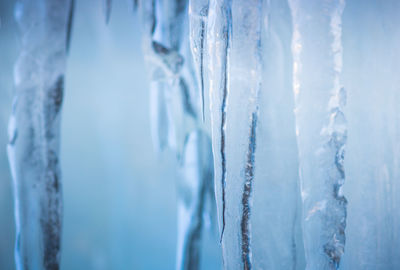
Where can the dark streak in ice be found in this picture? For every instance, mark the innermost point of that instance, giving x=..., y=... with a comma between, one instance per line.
x=107, y=9
x=249, y=174
x=186, y=97
x=226, y=33
x=201, y=67
x=153, y=17
x=135, y=4
x=56, y=95
x=51, y=214
x=222, y=150
x=69, y=24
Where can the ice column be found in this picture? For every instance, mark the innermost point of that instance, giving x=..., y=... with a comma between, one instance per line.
x=175, y=110
x=34, y=131
x=196, y=191
x=218, y=30
x=198, y=13
x=320, y=128
x=244, y=97
x=163, y=64
x=276, y=212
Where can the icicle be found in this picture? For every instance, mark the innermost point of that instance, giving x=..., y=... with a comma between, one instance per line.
x=174, y=117
x=164, y=63
x=198, y=12
x=34, y=129
x=320, y=128
x=218, y=42
x=107, y=6
x=235, y=67
x=196, y=183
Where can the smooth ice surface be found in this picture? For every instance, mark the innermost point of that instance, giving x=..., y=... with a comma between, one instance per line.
x=371, y=57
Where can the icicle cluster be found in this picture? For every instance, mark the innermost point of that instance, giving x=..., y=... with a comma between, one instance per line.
x=303, y=94
x=240, y=36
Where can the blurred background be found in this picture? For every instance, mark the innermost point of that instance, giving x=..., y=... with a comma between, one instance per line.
x=119, y=196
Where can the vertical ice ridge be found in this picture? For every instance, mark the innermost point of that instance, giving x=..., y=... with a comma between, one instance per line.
x=163, y=63
x=337, y=131
x=69, y=25
x=225, y=92
x=321, y=128
x=218, y=36
x=246, y=196
x=223, y=114
x=222, y=149
x=34, y=129
x=198, y=13
x=254, y=44
x=201, y=69
x=188, y=210
x=52, y=209
x=198, y=178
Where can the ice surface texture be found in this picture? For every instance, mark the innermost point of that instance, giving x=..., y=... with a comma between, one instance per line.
x=320, y=128
x=303, y=103
x=249, y=71
x=34, y=131
x=175, y=118
x=338, y=60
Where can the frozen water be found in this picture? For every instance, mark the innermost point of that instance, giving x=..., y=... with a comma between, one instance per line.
x=198, y=13
x=249, y=74
x=304, y=128
x=33, y=148
x=175, y=110
x=320, y=128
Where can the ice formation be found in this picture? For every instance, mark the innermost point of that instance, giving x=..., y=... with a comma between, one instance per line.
x=34, y=131
x=248, y=87
x=320, y=127
x=175, y=110
x=303, y=94
x=198, y=13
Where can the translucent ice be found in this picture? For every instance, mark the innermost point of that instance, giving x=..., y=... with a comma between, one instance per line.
x=34, y=130
x=198, y=13
x=320, y=128
x=175, y=119
x=196, y=187
x=249, y=71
